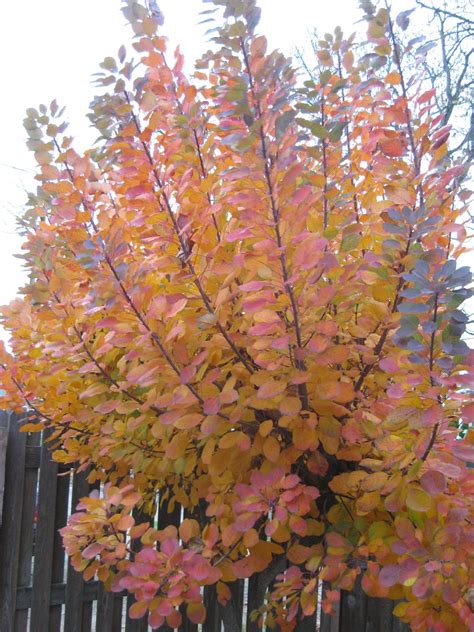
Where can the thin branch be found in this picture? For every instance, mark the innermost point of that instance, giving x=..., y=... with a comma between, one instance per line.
x=37, y=411
x=383, y=337
x=348, y=140
x=434, y=432
x=203, y=173
x=154, y=336
x=461, y=18
x=411, y=136
x=276, y=221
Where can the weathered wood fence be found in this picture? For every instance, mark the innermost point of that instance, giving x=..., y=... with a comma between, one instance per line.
x=40, y=592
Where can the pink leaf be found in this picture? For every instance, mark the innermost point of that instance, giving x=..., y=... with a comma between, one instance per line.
x=92, y=550
x=433, y=482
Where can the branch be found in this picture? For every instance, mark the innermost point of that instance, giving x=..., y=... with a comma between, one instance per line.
x=110, y=379
x=276, y=221
x=348, y=141
x=154, y=336
x=203, y=173
x=383, y=337
x=411, y=137
x=185, y=248
x=460, y=18
x=434, y=432
x=37, y=411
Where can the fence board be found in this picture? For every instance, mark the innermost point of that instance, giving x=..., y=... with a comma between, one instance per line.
x=375, y=615
x=399, y=626
x=237, y=591
x=10, y=533
x=58, y=594
x=109, y=611
x=27, y=527
x=87, y=610
x=75, y=583
x=44, y=545
x=213, y=619
x=60, y=519
x=3, y=458
x=252, y=603
x=379, y=615
x=354, y=609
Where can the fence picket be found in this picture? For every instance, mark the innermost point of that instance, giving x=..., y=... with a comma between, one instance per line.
x=379, y=615
x=60, y=519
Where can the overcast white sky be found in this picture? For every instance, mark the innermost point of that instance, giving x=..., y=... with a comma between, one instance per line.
x=50, y=48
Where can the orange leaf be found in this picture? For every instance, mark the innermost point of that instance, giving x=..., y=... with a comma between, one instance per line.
x=270, y=389
x=196, y=612
x=271, y=449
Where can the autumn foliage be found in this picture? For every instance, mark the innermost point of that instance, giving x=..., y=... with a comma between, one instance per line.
x=244, y=299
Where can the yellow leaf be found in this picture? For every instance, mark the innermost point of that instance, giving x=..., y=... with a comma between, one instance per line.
x=265, y=428
x=177, y=446
x=290, y=406
x=374, y=481
x=329, y=433
x=188, y=529
x=340, y=484
x=418, y=499
x=367, y=503
x=305, y=438
x=393, y=78
x=188, y=421
x=271, y=449
x=32, y=427
x=208, y=451
x=250, y=538
x=235, y=439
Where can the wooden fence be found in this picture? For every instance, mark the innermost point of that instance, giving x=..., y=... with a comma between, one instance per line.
x=40, y=592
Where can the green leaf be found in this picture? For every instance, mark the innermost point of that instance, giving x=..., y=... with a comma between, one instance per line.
x=350, y=242
x=282, y=123
x=336, y=132
x=418, y=500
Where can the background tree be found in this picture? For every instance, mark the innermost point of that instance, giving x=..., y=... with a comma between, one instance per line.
x=245, y=300
x=436, y=43
x=450, y=69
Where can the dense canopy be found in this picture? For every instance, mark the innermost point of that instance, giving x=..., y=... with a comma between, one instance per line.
x=245, y=299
